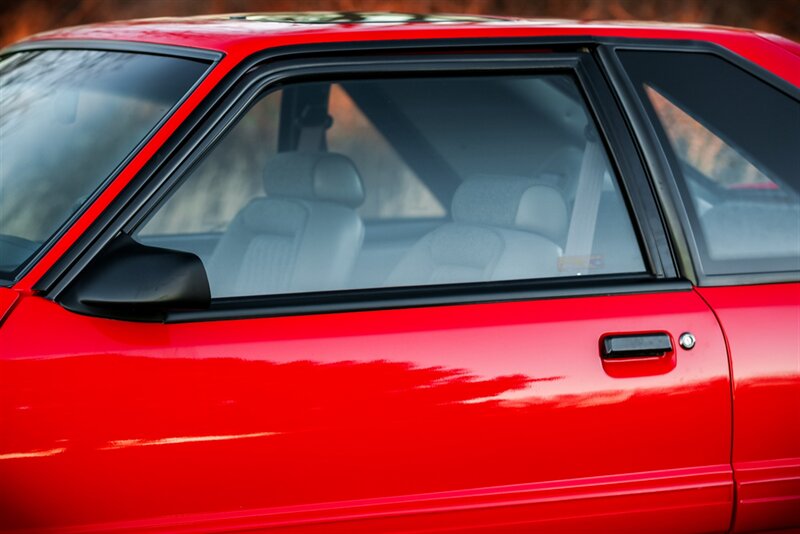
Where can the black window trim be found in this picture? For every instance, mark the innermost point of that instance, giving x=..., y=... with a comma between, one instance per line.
x=661, y=162
x=209, y=57
x=196, y=134
x=184, y=52
x=370, y=299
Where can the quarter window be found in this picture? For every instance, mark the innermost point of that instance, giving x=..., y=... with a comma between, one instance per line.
x=733, y=141
x=356, y=184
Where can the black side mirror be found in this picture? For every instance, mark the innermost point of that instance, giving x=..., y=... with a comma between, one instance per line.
x=132, y=281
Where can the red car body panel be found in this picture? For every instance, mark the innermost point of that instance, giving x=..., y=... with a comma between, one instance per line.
x=7, y=299
x=762, y=326
x=308, y=420
x=484, y=417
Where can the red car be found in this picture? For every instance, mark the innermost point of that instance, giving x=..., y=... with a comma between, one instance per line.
x=392, y=273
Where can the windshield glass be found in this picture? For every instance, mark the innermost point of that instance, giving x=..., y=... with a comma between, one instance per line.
x=68, y=120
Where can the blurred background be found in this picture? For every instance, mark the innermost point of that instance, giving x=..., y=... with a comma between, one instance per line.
x=19, y=18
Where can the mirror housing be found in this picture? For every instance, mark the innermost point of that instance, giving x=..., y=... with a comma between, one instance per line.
x=137, y=282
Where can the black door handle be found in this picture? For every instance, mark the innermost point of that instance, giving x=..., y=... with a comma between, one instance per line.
x=636, y=346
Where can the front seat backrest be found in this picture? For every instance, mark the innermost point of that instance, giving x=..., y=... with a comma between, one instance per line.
x=303, y=236
x=503, y=228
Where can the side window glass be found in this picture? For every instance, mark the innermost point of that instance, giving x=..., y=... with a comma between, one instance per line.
x=402, y=182
x=734, y=140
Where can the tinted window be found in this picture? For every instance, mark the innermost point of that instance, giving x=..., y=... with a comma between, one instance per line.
x=68, y=119
x=734, y=143
x=402, y=182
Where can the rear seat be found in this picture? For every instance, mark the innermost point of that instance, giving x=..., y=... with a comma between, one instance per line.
x=740, y=229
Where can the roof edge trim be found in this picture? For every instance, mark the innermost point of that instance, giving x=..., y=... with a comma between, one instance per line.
x=116, y=46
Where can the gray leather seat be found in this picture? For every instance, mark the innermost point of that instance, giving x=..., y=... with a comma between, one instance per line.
x=304, y=236
x=742, y=230
x=503, y=228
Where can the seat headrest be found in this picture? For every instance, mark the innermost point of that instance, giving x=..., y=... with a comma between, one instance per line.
x=511, y=202
x=314, y=176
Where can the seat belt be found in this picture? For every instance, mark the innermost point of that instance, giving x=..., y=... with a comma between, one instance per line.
x=577, y=257
x=313, y=124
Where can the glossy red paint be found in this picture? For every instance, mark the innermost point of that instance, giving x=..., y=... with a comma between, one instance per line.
x=384, y=420
x=762, y=326
x=7, y=299
x=491, y=417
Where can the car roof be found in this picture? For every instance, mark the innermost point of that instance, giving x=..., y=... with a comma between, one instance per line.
x=238, y=35
x=225, y=32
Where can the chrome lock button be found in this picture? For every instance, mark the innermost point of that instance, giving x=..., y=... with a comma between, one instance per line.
x=687, y=340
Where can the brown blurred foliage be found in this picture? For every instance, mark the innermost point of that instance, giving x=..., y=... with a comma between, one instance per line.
x=20, y=18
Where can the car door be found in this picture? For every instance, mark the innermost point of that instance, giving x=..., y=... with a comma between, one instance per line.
x=512, y=361
x=734, y=161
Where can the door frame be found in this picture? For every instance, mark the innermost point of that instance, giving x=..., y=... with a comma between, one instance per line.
x=258, y=74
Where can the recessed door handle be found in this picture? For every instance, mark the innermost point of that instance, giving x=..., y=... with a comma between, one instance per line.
x=635, y=346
